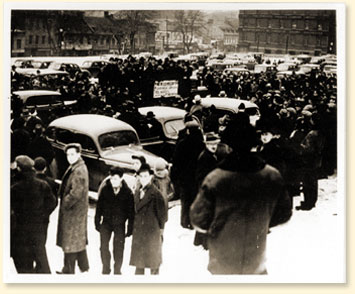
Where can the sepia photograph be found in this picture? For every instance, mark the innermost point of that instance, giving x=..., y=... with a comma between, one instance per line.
x=174, y=143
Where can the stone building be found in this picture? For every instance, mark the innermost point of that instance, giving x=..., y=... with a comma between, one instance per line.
x=287, y=31
x=74, y=33
x=34, y=33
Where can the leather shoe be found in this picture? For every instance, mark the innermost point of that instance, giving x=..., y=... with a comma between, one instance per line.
x=303, y=207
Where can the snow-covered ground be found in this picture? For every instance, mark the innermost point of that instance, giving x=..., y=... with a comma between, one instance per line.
x=309, y=248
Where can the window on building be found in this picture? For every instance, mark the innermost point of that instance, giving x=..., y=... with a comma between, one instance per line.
x=324, y=40
x=30, y=39
x=102, y=40
x=294, y=24
x=300, y=24
x=287, y=23
x=262, y=37
x=306, y=25
x=312, y=25
x=262, y=22
x=37, y=39
x=319, y=27
x=81, y=40
x=19, y=43
x=43, y=39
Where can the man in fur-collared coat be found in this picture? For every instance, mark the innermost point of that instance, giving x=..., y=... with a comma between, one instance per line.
x=73, y=212
x=236, y=205
x=148, y=226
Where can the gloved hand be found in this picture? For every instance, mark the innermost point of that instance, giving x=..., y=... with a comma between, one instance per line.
x=97, y=227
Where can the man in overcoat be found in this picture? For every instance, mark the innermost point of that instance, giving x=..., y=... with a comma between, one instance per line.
x=236, y=205
x=149, y=221
x=114, y=207
x=32, y=202
x=73, y=212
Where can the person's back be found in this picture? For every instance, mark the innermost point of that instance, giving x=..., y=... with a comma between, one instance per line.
x=236, y=205
x=31, y=200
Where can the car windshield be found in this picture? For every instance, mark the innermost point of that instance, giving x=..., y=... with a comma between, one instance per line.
x=172, y=127
x=119, y=138
x=55, y=66
x=87, y=64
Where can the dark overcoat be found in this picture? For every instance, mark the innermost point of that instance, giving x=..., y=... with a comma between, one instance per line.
x=150, y=218
x=73, y=211
x=236, y=205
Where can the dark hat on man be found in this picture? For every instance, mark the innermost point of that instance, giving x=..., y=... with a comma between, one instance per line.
x=240, y=134
x=140, y=158
x=40, y=163
x=24, y=162
x=212, y=138
x=116, y=170
x=150, y=114
x=145, y=167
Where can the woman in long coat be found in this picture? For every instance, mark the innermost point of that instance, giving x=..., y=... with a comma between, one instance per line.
x=72, y=222
x=149, y=221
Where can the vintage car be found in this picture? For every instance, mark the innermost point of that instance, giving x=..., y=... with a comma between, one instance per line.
x=242, y=69
x=94, y=66
x=231, y=105
x=71, y=68
x=161, y=138
x=286, y=73
x=308, y=67
x=41, y=100
x=260, y=68
x=105, y=142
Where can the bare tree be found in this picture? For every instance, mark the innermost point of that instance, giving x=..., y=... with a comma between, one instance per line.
x=134, y=20
x=188, y=23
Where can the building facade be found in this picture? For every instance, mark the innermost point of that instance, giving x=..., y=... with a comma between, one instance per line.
x=287, y=31
x=73, y=33
x=34, y=33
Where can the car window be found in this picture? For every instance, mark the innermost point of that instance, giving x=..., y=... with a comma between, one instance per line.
x=251, y=111
x=119, y=138
x=55, y=66
x=64, y=136
x=50, y=133
x=172, y=127
x=43, y=100
x=85, y=141
x=87, y=64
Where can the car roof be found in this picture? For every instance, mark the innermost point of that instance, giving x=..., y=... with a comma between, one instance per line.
x=227, y=103
x=92, y=124
x=28, y=93
x=163, y=112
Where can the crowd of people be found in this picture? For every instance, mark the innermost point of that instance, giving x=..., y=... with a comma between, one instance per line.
x=224, y=170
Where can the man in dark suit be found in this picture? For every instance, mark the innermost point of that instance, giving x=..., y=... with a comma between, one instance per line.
x=114, y=207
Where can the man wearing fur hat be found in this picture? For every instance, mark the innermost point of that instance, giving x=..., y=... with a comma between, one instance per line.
x=32, y=201
x=73, y=212
x=237, y=203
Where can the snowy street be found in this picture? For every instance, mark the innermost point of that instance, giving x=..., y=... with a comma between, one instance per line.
x=308, y=248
